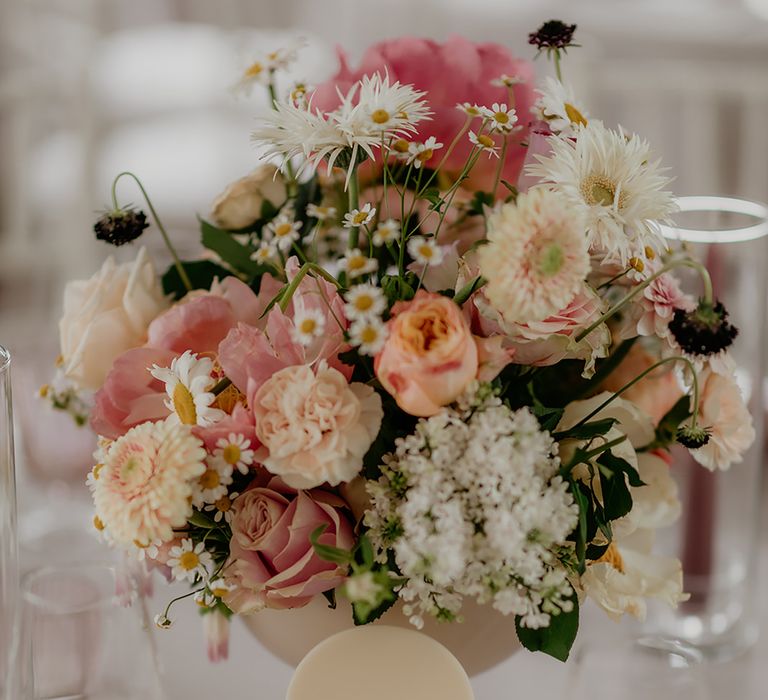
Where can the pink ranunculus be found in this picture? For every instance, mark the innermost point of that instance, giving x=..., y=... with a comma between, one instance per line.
x=451, y=73
x=430, y=355
x=272, y=563
x=130, y=394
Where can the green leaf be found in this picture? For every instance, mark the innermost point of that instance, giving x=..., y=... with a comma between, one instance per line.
x=555, y=640
x=398, y=288
x=548, y=417
x=198, y=519
x=478, y=201
x=469, y=289
x=397, y=423
x=666, y=431
x=614, y=474
x=326, y=551
x=587, y=431
x=362, y=614
x=201, y=274
x=235, y=254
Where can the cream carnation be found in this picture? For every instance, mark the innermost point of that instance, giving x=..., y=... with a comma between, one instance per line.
x=315, y=428
x=536, y=259
x=144, y=487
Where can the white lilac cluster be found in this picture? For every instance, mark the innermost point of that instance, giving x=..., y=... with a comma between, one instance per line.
x=471, y=506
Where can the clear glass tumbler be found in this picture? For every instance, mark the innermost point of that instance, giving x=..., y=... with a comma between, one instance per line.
x=8, y=546
x=717, y=538
x=80, y=637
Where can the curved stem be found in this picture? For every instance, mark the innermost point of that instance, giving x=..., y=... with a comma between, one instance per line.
x=290, y=290
x=176, y=261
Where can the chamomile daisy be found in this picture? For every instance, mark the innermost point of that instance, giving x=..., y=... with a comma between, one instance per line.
x=189, y=560
x=308, y=325
x=188, y=383
x=356, y=264
x=213, y=482
x=424, y=250
x=421, y=153
x=508, y=81
x=470, y=109
x=485, y=143
x=386, y=232
x=364, y=301
x=222, y=508
x=368, y=335
x=321, y=212
x=501, y=118
x=265, y=254
x=283, y=231
x=359, y=217
x=236, y=451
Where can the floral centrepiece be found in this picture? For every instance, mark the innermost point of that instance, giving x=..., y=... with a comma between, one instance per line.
x=435, y=351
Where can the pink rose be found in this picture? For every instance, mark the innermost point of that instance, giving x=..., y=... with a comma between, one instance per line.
x=430, y=355
x=272, y=563
x=452, y=73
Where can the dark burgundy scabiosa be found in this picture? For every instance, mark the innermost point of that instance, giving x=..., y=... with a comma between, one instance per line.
x=692, y=437
x=120, y=226
x=703, y=331
x=553, y=35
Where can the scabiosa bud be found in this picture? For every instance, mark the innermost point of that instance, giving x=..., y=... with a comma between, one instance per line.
x=120, y=226
x=703, y=331
x=692, y=437
x=553, y=35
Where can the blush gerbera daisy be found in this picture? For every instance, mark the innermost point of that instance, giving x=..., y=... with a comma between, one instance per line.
x=611, y=179
x=536, y=258
x=146, y=481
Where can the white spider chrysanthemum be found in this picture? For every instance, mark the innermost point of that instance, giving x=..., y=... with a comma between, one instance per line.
x=609, y=177
x=557, y=105
x=308, y=326
x=213, y=482
x=189, y=560
x=359, y=217
x=266, y=253
x=368, y=335
x=536, y=258
x=374, y=111
x=320, y=212
x=235, y=450
x=485, y=143
x=356, y=264
x=283, y=231
x=364, y=301
x=500, y=117
x=420, y=153
x=471, y=506
x=386, y=232
x=144, y=486
x=424, y=250
x=188, y=383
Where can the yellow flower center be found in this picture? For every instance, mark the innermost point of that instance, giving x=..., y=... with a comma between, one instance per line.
x=184, y=405
x=426, y=251
x=283, y=229
x=486, y=141
x=637, y=264
x=189, y=561
x=210, y=479
x=401, y=146
x=356, y=262
x=254, y=70
x=231, y=454
x=98, y=523
x=218, y=591
x=140, y=545
x=223, y=504
x=364, y=302
x=380, y=116
x=599, y=190
x=574, y=116
x=308, y=326
x=96, y=469
x=613, y=557
x=43, y=392
x=501, y=117
x=369, y=335
x=650, y=253
x=360, y=217
x=472, y=111
x=425, y=155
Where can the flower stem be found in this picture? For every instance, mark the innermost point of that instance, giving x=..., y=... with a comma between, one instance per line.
x=176, y=261
x=290, y=290
x=500, y=166
x=558, y=71
x=353, y=193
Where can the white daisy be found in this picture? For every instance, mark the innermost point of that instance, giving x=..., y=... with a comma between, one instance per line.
x=213, y=482
x=222, y=508
x=420, y=153
x=400, y=149
x=368, y=334
x=470, y=109
x=236, y=451
x=189, y=560
x=386, y=232
x=485, y=143
x=266, y=253
x=205, y=599
x=364, y=301
x=383, y=107
x=320, y=212
x=188, y=382
x=356, y=264
x=219, y=587
x=505, y=80
x=259, y=72
x=308, y=325
x=557, y=105
x=424, y=250
x=359, y=217
x=299, y=95
x=610, y=179
x=500, y=117
x=283, y=231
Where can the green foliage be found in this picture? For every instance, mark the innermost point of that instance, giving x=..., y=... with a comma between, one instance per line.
x=201, y=274
x=397, y=288
x=397, y=423
x=233, y=253
x=548, y=417
x=556, y=639
x=666, y=432
x=479, y=201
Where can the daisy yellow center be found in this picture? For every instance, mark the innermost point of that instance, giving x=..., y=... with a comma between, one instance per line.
x=356, y=262
x=369, y=335
x=472, y=111
x=308, y=326
x=426, y=251
x=283, y=229
x=254, y=70
x=551, y=260
x=501, y=117
x=650, y=253
x=613, y=557
x=264, y=254
x=231, y=454
x=184, y=405
x=380, y=116
x=189, y=561
x=363, y=302
x=637, y=264
x=425, y=155
x=218, y=591
x=486, y=141
x=96, y=469
x=574, y=116
x=98, y=523
x=210, y=479
x=599, y=190
x=401, y=146
x=223, y=504
x=360, y=217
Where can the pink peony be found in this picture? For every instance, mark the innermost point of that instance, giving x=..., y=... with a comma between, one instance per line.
x=272, y=563
x=660, y=300
x=451, y=73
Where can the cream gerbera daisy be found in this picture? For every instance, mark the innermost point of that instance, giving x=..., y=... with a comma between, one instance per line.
x=188, y=382
x=189, y=560
x=364, y=301
x=222, y=508
x=424, y=250
x=609, y=178
x=359, y=217
x=213, y=482
x=536, y=258
x=368, y=335
x=144, y=488
x=236, y=451
x=356, y=264
x=557, y=105
x=386, y=232
x=308, y=326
